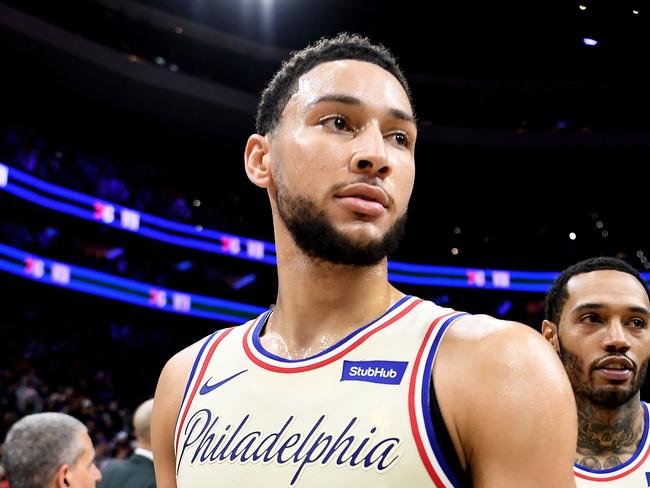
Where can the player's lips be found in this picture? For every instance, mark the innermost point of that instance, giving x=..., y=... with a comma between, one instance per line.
x=363, y=198
x=617, y=368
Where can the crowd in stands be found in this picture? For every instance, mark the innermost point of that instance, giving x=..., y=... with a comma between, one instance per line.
x=137, y=186
x=62, y=354
x=52, y=360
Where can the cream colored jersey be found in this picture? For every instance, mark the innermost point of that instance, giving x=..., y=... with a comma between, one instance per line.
x=355, y=415
x=634, y=473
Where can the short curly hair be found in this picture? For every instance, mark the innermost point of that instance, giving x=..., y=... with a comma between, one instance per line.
x=558, y=294
x=285, y=82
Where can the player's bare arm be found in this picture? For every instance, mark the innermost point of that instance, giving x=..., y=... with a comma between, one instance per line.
x=507, y=404
x=167, y=403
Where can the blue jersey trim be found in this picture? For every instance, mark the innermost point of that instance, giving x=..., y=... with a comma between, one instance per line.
x=426, y=404
x=196, y=363
x=636, y=454
x=258, y=328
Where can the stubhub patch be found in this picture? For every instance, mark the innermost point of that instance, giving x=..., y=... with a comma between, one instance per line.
x=386, y=372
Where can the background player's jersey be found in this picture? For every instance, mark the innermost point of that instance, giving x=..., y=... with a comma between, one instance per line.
x=633, y=473
x=354, y=415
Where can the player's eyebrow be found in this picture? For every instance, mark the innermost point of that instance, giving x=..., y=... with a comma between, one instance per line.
x=354, y=101
x=600, y=306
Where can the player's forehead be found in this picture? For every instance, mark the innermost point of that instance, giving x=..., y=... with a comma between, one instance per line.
x=365, y=83
x=605, y=288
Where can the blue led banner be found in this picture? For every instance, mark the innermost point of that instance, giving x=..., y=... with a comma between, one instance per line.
x=87, y=207
x=56, y=273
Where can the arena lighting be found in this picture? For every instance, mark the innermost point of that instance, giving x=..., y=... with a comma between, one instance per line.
x=114, y=253
x=56, y=273
x=239, y=282
x=54, y=197
x=441, y=299
x=87, y=207
x=64, y=275
x=487, y=279
x=503, y=308
x=4, y=175
x=184, y=265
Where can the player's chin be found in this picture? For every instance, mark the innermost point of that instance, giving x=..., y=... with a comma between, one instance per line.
x=364, y=232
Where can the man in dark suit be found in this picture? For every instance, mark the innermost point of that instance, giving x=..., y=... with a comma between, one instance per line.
x=137, y=471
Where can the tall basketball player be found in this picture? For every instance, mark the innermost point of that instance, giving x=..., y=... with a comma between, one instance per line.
x=598, y=319
x=347, y=382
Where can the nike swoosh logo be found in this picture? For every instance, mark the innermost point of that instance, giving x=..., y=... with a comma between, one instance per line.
x=205, y=389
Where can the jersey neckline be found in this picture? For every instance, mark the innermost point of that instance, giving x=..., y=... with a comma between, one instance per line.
x=268, y=360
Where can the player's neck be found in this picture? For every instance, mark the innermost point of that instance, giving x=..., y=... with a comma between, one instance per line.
x=320, y=303
x=608, y=437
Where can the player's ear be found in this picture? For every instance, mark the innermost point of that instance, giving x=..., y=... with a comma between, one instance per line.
x=61, y=476
x=549, y=331
x=257, y=160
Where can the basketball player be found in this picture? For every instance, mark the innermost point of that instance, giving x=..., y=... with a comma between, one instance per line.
x=597, y=316
x=337, y=384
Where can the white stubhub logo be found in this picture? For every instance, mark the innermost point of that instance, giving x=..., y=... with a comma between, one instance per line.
x=386, y=372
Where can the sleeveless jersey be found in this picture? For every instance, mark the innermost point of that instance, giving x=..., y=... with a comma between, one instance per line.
x=354, y=415
x=633, y=473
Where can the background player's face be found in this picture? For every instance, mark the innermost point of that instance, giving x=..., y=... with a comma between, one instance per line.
x=604, y=336
x=349, y=122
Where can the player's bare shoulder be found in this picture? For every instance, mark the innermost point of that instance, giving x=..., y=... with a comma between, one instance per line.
x=179, y=366
x=486, y=350
x=494, y=340
x=481, y=327
x=494, y=379
x=172, y=381
x=480, y=355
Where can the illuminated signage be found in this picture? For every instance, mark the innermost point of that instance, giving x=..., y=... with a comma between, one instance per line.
x=61, y=273
x=130, y=219
x=4, y=175
x=104, y=212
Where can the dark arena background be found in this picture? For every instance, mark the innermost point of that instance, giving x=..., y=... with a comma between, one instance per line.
x=128, y=229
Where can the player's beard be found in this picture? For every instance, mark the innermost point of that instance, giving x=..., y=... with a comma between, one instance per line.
x=320, y=240
x=604, y=395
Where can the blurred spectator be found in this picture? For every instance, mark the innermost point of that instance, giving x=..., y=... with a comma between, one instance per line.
x=4, y=483
x=130, y=184
x=137, y=471
x=49, y=450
